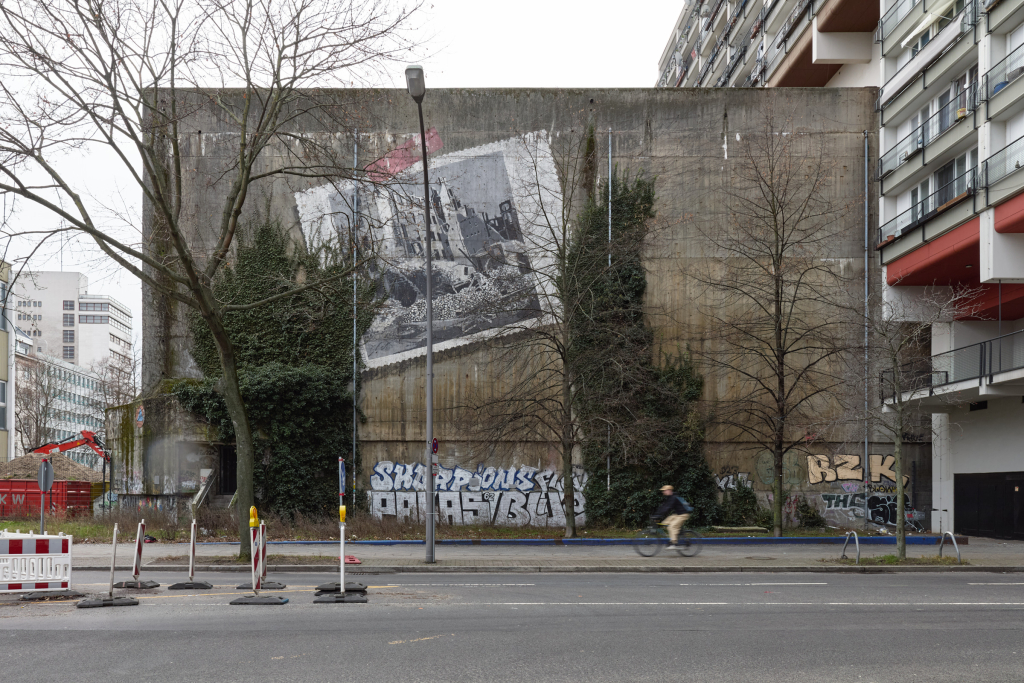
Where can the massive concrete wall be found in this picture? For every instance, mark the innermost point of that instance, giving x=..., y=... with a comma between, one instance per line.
x=682, y=137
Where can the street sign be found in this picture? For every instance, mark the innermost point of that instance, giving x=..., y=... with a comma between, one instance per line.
x=45, y=476
x=433, y=446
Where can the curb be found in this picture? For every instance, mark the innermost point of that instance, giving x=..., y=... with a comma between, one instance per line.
x=578, y=569
x=713, y=540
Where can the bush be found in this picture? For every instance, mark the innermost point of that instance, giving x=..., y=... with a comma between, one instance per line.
x=809, y=515
x=740, y=507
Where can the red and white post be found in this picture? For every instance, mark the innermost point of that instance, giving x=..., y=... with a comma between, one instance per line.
x=256, y=553
x=263, y=551
x=140, y=534
x=192, y=555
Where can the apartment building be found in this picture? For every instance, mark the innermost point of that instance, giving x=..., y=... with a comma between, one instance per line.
x=7, y=378
x=66, y=322
x=951, y=203
x=56, y=401
x=952, y=214
x=770, y=43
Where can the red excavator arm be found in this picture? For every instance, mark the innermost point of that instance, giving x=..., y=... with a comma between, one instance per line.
x=87, y=439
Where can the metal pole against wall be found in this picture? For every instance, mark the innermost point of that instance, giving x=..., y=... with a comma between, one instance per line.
x=431, y=457
x=355, y=337
x=866, y=329
x=609, y=451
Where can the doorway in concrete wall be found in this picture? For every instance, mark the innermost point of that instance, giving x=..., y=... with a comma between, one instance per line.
x=990, y=504
x=228, y=478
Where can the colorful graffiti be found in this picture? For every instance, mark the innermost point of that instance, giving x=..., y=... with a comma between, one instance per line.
x=515, y=496
x=848, y=468
x=729, y=478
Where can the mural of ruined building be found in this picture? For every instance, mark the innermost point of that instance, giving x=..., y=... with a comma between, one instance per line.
x=515, y=496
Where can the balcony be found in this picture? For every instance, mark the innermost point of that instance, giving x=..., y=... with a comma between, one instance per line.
x=1003, y=85
x=990, y=368
x=942, y=200
x=1000, y=166
x=955, y=111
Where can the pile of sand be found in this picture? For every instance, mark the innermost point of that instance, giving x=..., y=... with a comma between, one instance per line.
x=64, y=469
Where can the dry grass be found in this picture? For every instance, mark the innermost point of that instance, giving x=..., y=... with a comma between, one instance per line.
x=892, y=560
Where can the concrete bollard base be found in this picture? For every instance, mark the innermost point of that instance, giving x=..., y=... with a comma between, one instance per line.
x=331, y=598
x=335, y=587
x=190, y=586
x=259, y=600
x=108, y=602
x=264, y=586
x=137, y=585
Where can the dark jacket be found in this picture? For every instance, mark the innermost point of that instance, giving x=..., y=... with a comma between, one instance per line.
x=673, y=505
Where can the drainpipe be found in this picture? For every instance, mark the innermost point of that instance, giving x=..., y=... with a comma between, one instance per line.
x=866, y=329
x=355, y=338
x=609, y=451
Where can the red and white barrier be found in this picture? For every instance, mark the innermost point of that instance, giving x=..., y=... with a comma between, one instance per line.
x=263, y=551
x=30, y=562
x=255, y=552
x=140, y=535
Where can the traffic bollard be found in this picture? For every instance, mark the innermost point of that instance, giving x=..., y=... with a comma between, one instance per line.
x=140, y=534
x=191, y=584
x=110, y=600
x=341, y=591
x=256, y=553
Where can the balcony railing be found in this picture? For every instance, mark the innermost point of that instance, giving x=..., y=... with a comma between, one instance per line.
x=984, y=359
x=954, y=111
x=895, y=15
x=731, y=66
x=925, y=209
x=1004, y=162
x=1005, y=72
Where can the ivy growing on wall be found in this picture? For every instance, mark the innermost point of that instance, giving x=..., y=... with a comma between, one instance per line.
x=295, y=368
x=653, y=431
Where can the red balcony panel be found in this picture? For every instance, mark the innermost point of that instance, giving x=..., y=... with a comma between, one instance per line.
x=1010, y=215
x=950, y=259
x=994, y=304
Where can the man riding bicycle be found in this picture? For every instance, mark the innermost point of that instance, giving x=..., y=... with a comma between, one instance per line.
x=673, y=512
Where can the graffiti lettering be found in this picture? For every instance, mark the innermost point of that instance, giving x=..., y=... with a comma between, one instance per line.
x=729, y=482
x=882, y=509
x=843, y=501
x=848, y=468
x=514, y=496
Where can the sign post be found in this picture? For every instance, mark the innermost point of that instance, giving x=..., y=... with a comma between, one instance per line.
x=341, y=591
x=45, y=483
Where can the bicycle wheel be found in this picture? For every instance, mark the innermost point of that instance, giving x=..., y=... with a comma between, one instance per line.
x=690, y=543
x=649, y=542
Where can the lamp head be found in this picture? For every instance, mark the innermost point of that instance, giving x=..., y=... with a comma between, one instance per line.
x=414, y=82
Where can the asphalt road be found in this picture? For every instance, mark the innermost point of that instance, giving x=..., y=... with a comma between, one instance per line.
x=538, y=627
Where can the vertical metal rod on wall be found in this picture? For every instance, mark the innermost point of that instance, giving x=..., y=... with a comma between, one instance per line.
x=866, y=329
x=431, y=457
x=608, y=466
x=355, y=338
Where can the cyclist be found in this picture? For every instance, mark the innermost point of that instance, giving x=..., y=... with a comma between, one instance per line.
x=673, y=512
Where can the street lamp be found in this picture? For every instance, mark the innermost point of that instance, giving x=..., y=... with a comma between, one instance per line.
x=417, y=88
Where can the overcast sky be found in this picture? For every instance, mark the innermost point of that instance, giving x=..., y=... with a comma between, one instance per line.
x=468, y=43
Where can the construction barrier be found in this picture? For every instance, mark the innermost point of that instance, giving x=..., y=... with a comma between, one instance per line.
x=30, y=562
x=191, y=584
x=140, y=534
x=257, y=552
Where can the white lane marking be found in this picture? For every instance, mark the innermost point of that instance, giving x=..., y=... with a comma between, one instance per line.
x=789, y=583
x=745, y=604
x=475, y=585
x=997, y=583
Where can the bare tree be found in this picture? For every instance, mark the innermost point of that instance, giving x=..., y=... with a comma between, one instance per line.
x=133, y=78
x=900, y=356
x=118, y=377
x=544, y=366
x=40, y=400
x=773, y=298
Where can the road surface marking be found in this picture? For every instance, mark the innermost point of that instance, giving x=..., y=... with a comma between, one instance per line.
x=416, y=640
x=998, y=583
x=805, y=583
x=449, y=585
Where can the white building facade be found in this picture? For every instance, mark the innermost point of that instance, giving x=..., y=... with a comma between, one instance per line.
x=66, y=322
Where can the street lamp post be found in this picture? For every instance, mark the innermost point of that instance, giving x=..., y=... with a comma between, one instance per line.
x=417, y=88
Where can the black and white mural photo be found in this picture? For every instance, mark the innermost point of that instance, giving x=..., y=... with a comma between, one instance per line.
x=487, y=206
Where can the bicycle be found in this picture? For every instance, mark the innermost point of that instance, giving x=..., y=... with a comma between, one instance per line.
x=653, y=538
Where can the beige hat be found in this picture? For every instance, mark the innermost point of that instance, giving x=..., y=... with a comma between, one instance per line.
x=666, y=487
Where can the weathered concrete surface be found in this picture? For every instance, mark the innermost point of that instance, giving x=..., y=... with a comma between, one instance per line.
x=677, y=135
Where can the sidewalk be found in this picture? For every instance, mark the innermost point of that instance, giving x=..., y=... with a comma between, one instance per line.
x=983, y=555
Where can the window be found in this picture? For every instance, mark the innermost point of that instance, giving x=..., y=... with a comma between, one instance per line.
x=69, y=305
x=69, y=352
x=69, y=320
x=37, y=304
x=69, y=336
x=3, y=406
x=94, y=319
x=93, y=307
